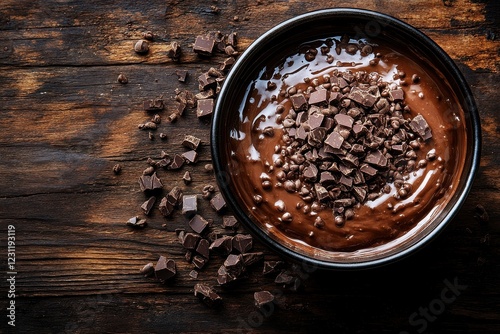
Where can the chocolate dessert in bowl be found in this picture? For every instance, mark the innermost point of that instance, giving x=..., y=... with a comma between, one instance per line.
x=345, y=138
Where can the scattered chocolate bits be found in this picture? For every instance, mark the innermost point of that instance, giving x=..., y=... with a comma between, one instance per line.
x=117, y=169
x=141, y=47
x=205, y=108
x=187, y=178
x=122, y=79
x=204, y=45
x=136, y=222
x=263, y=299
x=178, y=162
x=181, y=75
x=190, y=157
x=189, y=205
x=165, y=269
x=191, y=142
x=171, y=201
x=148, y=270
x=148, y=205
x=218, y=203
x=229, y=222
x=150, y=182
x=174, y=51
x=207, y=295
x=154, y=105
x=198, y=224
x=242, y=243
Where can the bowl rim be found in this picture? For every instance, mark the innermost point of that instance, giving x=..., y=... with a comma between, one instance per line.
x=469, y=107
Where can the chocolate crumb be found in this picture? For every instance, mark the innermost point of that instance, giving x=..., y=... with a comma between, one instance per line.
x=187, y=178
x=117, y=169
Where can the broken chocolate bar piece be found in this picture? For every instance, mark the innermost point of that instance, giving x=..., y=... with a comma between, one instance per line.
x=419, y=125
x=271, y=267
x=153, y=105
x=199, y=261
x=229, y=222
x=189, y=205
x=204, y=45
x=203, y=248
x=263, y=299
x=223, y=244
x=136, y=222
x=234, y=264
x=198, y=224
x=191, y=142
x=252, y=258
x=207, y=295
x=165, y=269
x=242, y=243
x=299, y=102
x=187, y=178
x=190, y=241
x=190, y=157
x=150, y=182
x=148, y=205
x=205, y=108
x=177, y=162
x=218, y=203
x=181, y=75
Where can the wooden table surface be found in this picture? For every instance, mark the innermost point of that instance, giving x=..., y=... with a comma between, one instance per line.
x=65, y=122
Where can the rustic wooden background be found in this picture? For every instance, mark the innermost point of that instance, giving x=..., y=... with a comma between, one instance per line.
x=65, y=122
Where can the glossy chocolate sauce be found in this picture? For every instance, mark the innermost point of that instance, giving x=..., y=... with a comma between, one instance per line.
x=376, y=222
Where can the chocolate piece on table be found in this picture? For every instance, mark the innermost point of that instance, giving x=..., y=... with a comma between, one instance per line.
x=193, y=274
x=198, y=223
x=204, y=45
x=191, y=142
x=136, y=222
x=189, y=205
x=206, y=81
x=252, y=258
x=229, y=222
x=177, y=162
x=148, y=270
x=234, y=264
x=181, y=75
x=190, y=241
x=223, y=244
x=226, y=65
x=218, y=203
x=153, y=105
x=190, y=156
x=174, y=51
x=271, y=267
x=199, y=261
x=187, y=178
x=148, y=205
x=150, y=182
x=263, y=299
x=203, y=248
x=207, y=295
x=165, y=269
x=205, y=108
x=285, y=277
x=242, y=243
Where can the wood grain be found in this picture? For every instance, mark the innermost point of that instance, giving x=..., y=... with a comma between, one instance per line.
x=66, y=121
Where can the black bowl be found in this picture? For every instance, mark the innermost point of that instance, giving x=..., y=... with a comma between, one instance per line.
x=271, y=46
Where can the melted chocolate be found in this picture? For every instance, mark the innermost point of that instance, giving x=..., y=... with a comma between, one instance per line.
x=377, y=222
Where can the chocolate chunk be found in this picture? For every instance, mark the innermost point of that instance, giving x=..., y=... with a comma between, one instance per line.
x=206, y=81
x=199, y=261
x=205, y=108
x=310, y=173
x=204, y=45
x=198, y=224
x=150, y=182
x=242, y=243
x=193, y=274
x=345, y=180
x=262, y=299
x=224, y=277
x=232, y=38
x=181, y=75
x=315, y=120
x=141, y=47
x=334, y=140
x=344, y=120
x=321, y=192
x=299, y=102
x=207, y=295
x=187, y=178
x=117, y=169
x=189, y=205
x=148, y=205
x=271, y=267
x=218, y=203
x=376, y=158
x=165, y=269
x=174, y=51
x=319, y=97
x=166, y=208
x=190, y=241
x=227, y=64
x=419, y=125
x=326, y=179
x=190, y=156
x=316, y=137
x=191, y=142
x=136, y=222
x=229, y=222
x=177, y=162
x=396, y=95
x=252, y=258
x=203, y=248
x=148, y=270
x=234, y=264
x=285, y=277
x=153, y=105
x=368, y=170
x=223, y=244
